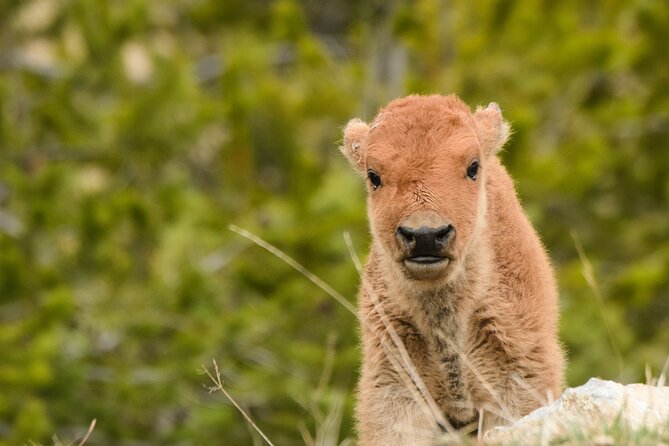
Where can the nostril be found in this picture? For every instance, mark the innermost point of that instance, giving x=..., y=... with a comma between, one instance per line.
x=442, y=233
x=406, y=233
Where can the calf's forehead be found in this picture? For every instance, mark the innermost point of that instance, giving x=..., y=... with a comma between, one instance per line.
x=430, y=143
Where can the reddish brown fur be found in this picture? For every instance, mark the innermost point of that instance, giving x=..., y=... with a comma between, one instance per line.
x=481, y=327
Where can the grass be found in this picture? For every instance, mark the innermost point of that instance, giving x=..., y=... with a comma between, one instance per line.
x=618, y=433
x=591, y=280
x=215, y=376
x=78, y=442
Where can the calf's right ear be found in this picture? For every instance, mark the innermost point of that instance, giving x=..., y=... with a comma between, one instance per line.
x=355, y=137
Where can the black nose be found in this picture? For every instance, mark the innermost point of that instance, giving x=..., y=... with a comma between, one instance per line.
x=425, y=241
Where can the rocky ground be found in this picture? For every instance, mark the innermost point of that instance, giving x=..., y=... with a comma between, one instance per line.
x=595, y=413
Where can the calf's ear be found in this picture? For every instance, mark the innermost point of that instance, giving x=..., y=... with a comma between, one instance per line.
x=493, y=131
x=355, y=135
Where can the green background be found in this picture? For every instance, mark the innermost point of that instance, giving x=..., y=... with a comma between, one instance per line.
x=133, y=133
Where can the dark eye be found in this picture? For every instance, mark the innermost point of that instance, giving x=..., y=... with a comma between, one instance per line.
x=374, y=179
x=473, y=169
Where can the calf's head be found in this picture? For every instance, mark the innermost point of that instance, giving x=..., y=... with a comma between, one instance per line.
x=425, y=159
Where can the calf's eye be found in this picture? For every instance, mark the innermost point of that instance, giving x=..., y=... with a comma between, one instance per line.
x=473, y=169
x=374, y=179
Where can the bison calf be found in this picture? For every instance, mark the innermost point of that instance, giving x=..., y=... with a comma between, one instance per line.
x=458, y=302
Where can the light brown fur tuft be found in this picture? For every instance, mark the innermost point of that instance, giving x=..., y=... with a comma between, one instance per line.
x=493, y=131
x=475, y=306
x=355, y=134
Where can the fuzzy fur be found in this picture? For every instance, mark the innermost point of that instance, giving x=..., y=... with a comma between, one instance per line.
x=482, y=334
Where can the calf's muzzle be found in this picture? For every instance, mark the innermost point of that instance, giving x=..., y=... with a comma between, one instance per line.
x=425, y=244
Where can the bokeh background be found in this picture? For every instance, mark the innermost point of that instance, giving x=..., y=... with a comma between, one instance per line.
x=132, y=133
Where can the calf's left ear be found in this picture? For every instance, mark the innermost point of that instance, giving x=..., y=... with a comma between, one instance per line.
x=493, y=131
x=355, y=136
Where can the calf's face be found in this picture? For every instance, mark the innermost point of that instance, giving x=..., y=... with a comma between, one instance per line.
x=424, y=159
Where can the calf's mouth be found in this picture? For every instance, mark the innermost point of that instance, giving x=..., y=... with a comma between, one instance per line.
x=427, y=260
x=426, y=268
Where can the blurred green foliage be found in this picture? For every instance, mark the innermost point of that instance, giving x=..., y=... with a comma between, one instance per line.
x=132, y=133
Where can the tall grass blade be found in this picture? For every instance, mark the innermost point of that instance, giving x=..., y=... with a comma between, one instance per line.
x=589, y=275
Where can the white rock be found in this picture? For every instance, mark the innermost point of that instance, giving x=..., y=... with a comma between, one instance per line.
x=589, y=410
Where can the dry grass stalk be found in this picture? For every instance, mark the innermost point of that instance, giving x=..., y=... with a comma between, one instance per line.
x=218, y=386
x=297, y=266
x=88, y=432
x=589, y=275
